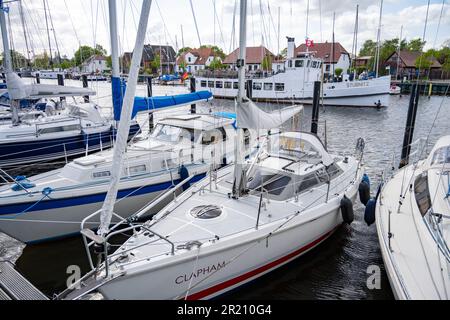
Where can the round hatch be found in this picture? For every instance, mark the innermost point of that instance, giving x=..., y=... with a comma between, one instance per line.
x=206, y=212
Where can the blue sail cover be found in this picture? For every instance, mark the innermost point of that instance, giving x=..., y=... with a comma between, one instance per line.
x=169, y=77
x=142, y=104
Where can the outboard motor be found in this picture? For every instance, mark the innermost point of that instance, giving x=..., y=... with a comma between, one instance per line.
x=347, y=210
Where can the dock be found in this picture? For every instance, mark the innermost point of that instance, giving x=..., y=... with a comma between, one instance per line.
x=434, y=88
x=14, y=286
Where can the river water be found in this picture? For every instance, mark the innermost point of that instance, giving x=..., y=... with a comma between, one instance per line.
x=337, y=269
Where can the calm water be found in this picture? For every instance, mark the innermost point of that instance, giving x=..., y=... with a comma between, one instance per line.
x=337, y=269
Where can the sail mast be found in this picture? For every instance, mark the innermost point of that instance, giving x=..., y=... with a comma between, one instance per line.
x=238, y=166
x=124, y=124
x=48, y=34
x=379, y=39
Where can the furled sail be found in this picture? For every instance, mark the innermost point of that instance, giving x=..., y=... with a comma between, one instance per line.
x=142, y=104
x=18, y=89
x=250, y=116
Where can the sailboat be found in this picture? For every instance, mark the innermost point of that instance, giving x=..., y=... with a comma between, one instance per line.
x=231, y=227
x=412, y=212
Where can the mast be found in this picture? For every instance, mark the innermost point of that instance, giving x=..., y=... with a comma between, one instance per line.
x=398, y=53
x=22, y=18
x=355, y=41
x=238, y=185
x=115, y=72
x=195, y=21
x=54, y=35
x=279, y=27
x=7, y=62
x=332, y=46
x=48, y=34
x=379, y=40
x=124, y=124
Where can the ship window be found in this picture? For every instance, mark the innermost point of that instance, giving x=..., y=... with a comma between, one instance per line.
x=206, y=212
x=219, y=84
x=307, y=183
x=422, y=194
x=273, y=183
x=441, y=156
x=257, y=86
x=138, y=169
x=73, y=127
x=314, y=64
x=268, y=86
x=228, y=85
x=235, y=85
x=203, y=84
x=279, y=86
x=102, y=174
x=212, y=137
x=210, y=84
x=298, y=63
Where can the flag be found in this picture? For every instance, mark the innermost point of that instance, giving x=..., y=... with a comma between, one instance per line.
x=185, y=76
x=309, y=43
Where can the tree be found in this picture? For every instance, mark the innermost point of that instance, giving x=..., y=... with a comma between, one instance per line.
x=416, y=45
x=267, y=63
x=217, y=52
x=216, y=64
x=368, y=49
x=42, y=61
x=183, y=65
x=183, y=50
x=156, y=63
x=66, y=64
x=338, y=72
x=85, y=52
x=283, y=53
x=17, y=59
x=109, y=62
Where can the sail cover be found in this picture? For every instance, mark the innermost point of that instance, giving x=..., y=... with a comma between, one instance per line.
x=142, y=104
x=18, y=89
x=250, y=116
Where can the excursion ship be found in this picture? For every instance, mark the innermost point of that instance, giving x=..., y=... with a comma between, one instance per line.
x=294, y=83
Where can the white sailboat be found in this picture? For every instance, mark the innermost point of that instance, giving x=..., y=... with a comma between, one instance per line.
x=414, y=235
x=233, y=226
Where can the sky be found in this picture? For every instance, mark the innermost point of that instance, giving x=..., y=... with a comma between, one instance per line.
x=86, y=22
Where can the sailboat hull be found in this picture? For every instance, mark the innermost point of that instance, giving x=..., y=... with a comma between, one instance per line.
x=223, y=269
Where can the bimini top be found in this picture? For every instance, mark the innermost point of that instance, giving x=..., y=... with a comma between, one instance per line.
x=197, y=121
x=439, y=157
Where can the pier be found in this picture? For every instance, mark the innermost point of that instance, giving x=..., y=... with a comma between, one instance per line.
x=438, y=87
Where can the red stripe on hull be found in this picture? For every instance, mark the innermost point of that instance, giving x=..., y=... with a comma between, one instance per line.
x=250, y=274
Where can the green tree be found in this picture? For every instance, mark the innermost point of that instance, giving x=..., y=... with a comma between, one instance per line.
x=338, y=72
x=416, y=45
x=183, y=65
x=42, y=61
x=217, y=52
x=368, y=49
x=156, y=63
x=283, y=53
x=267, y=63
x=183, y=50
x=216, y=64
x=85, y=52
x=109, y=62
x=66, y=64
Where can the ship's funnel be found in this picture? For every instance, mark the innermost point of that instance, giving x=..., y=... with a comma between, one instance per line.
x=290, y=48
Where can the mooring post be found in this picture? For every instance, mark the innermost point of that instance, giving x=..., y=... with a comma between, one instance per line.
x=193, y=89
x=38, y=78
x=410, y=125
x=151, y=123
x=250, y=89
x=85, y=85
x=315, y=111
x=4, y=77
x=61, y=83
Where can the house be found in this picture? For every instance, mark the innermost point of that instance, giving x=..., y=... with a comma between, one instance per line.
x=407, y=65
x=363, y=61
x=94, y=64
x=195, y=60
x=340, y=58
x=163, y=55
x=253, y=61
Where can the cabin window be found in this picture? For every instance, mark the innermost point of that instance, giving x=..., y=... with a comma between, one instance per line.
x=228, y=85
x=257, y=86
x=314, y=64
x=307, y=183
x=441, y=156
x=279, y=86
x=102, y=174
x=422, y=194
x=73, y=127
x=268, y=86
x=219, y=84
x=203, y=83
x=298, y=63
x=210, y=84
x=138, y=169
x=211, y=137
x=273, y=183
x=235, y=85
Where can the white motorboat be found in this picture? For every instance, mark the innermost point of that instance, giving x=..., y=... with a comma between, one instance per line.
x=48, y=74
x=395, y=90
x=414, y=230
x=232, y=227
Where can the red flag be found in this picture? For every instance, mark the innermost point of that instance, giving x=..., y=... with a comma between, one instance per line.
x=309, y=43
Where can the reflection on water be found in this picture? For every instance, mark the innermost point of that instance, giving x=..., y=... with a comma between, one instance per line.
x=337, y=269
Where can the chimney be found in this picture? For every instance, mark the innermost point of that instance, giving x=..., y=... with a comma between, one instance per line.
x=290, y=48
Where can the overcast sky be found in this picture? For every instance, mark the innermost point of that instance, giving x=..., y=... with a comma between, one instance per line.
x=86, y=22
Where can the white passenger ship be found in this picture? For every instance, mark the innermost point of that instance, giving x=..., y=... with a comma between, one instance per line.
x=295, y=83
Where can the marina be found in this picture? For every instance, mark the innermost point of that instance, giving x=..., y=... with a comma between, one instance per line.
x=192, y=174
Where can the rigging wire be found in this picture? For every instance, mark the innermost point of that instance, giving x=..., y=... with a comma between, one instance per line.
x=195, y=21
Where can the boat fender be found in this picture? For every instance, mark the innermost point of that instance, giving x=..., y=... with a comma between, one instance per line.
x=347, y=210
x=369, y=213
x=184, y=174
x=22, y=183
x=364, y=192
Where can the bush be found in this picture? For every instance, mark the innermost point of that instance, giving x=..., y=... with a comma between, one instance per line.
x=338, y=72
